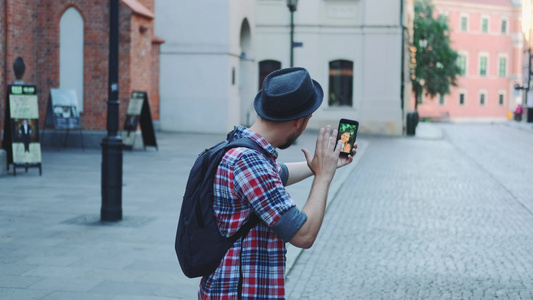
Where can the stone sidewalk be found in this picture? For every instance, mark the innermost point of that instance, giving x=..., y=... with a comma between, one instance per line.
x=447, y=217
x=53, y=245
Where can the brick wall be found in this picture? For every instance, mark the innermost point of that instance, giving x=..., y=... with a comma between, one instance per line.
x=19, y=38
x=95, y=15
x=141, y=62
x=17, y=21
x=32, y=32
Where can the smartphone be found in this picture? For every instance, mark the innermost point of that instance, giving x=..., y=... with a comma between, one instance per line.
x=347, y=134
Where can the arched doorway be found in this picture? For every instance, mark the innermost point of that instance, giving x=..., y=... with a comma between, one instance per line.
x=246, y=64
x=71, y=53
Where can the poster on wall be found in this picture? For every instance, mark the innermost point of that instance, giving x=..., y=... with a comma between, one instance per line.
x=62, y=111
x=21, y=140
x=138, y=112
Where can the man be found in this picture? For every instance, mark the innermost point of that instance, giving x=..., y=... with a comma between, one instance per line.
x=248, y=182
x=25, y=132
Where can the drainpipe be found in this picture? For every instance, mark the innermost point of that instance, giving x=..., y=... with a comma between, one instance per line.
x=402, y=75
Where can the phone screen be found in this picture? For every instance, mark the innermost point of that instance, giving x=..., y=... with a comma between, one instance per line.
x=347, y=133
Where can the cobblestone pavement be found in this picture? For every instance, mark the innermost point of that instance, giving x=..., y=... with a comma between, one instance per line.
x=446, y=218
x=53, y=245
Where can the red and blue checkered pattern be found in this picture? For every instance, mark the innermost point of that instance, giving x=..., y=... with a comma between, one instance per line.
x=246, y=182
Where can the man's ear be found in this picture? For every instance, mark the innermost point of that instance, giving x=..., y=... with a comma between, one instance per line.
x=298, y=122
x=303, y=120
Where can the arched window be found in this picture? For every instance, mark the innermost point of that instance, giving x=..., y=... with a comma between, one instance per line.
x=266, y=67
x=71, y=53
x=340, y=83
x=246, y=38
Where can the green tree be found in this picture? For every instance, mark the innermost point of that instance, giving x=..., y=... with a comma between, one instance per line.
x=436, y=62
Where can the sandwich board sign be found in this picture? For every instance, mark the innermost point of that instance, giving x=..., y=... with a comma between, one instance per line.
x=62, y=111
x=138, y=112
x=21, y=127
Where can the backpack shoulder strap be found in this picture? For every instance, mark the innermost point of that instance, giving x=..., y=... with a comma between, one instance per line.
x=254, y=219
x=244, y=142
x=248, y=143
x=245, y=228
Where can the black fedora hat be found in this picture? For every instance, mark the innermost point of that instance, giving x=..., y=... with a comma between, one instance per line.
x=288, y=94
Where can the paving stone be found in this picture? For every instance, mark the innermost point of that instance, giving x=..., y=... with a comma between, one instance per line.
x=428, y=219
x=444, y=215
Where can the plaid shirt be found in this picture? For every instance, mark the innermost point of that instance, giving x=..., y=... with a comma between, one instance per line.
x=246, y=182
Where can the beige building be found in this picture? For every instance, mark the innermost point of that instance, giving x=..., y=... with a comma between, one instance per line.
x=216, y=54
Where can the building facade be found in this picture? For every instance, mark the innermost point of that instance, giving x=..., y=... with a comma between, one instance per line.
x=488, y=38
x=65, y=44
x=217, y=53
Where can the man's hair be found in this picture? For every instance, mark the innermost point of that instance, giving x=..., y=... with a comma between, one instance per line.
x=280, y=122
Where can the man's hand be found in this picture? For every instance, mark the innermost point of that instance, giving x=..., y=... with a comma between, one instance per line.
x=301, y=170
x=323, y=164
x=326, y=159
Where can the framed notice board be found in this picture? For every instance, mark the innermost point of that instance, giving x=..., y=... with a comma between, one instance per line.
x=62, y=111
x=138, y=113
x=21, y=127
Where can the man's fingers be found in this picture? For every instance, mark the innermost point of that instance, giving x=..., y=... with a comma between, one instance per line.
x=308, y=155
x=354, y=151
x=327, y=141
x=327, y=130
x=337, y=150
x=320, y=139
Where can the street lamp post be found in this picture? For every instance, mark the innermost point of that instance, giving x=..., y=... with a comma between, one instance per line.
x=112, y=144
x=292, y=4
x=416, y=60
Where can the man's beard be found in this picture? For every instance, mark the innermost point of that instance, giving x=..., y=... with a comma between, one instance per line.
x=289, y=141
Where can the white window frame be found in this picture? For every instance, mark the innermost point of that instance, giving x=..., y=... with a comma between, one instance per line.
x=480, y=56
x=505, y=72
x=506, y=20
x=504, y=94
x=467, y=17
x=462, y=92
x=467, y=59
x=488, y=24
x=485, y=99
x=442, y=100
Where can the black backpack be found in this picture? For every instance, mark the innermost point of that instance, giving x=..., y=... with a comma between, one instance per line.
x=199, y=245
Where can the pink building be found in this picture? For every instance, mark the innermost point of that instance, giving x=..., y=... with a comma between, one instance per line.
x=487, y=35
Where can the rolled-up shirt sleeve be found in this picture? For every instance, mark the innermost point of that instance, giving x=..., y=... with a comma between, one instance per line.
x=283, y=173
x=289, y=223
x=257, y=182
